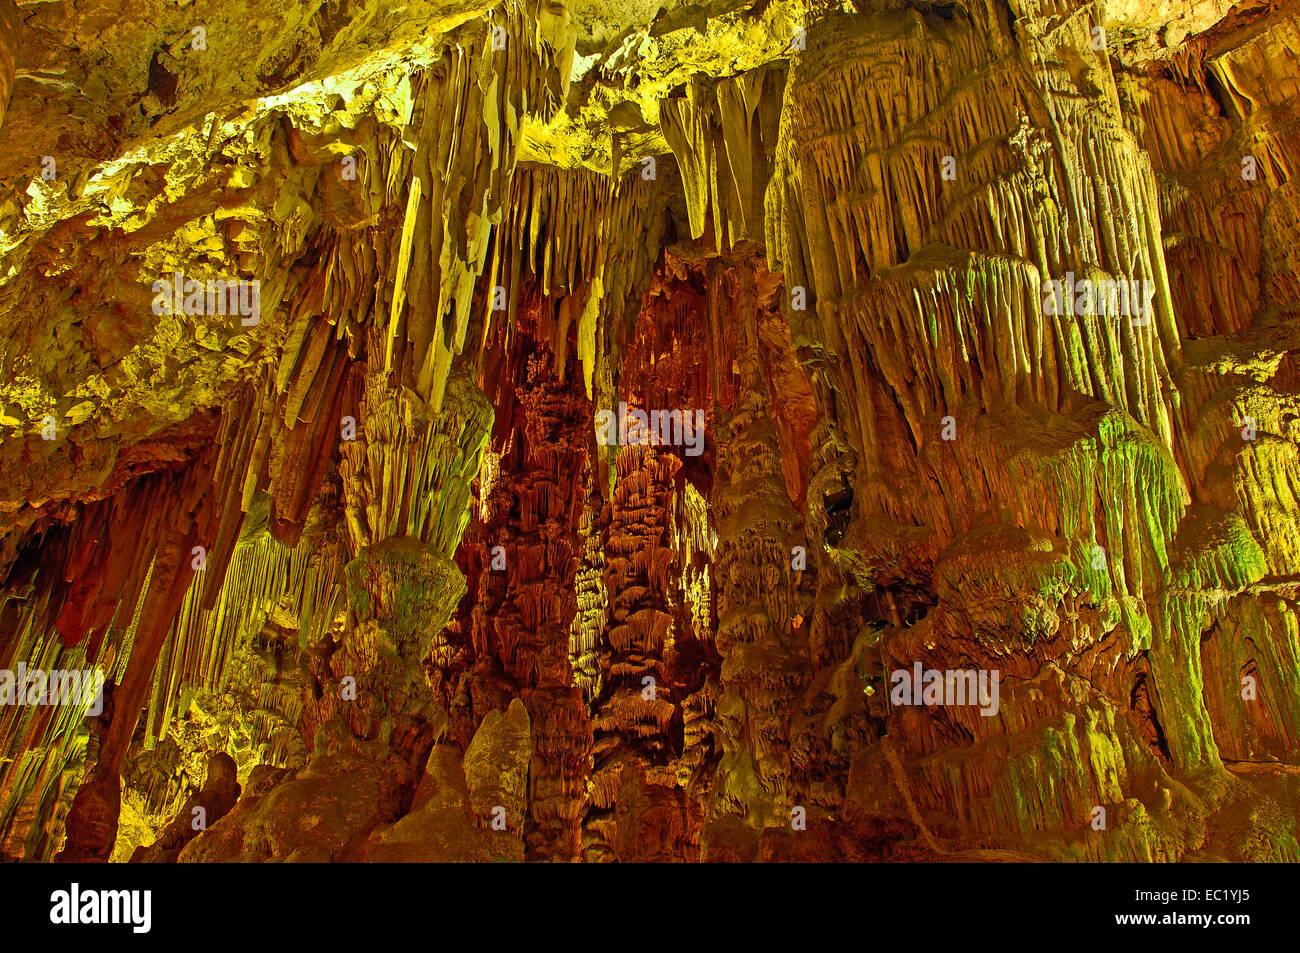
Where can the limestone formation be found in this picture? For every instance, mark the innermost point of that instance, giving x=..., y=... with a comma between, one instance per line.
x=582, y=431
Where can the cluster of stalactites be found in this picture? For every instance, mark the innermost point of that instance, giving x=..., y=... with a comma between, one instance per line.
x=941, y=213
x=409, y=473
x=553, y=234
x=724, y=136
x=586, y=245
x=465, y=125
x=406, y=464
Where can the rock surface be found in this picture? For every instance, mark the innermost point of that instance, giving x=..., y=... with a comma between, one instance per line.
x=578, y=431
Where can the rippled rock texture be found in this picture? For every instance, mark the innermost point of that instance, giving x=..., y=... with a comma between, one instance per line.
x=589, y=432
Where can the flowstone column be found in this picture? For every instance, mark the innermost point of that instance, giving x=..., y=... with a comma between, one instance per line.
x=633, y=746
x=372, y=720
x=759, y=596
x=526, y=599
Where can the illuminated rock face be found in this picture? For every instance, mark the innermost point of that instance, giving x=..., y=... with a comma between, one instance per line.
x=8, y=51
x=581, y=432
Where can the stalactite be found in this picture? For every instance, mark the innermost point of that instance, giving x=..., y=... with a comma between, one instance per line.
x=459, y=179
x=724, y=135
